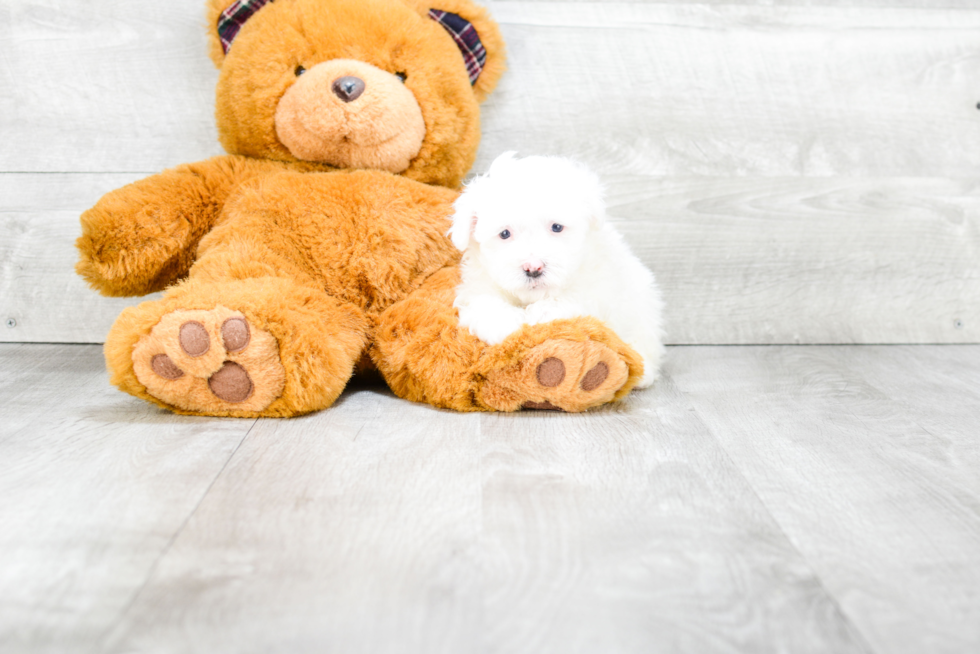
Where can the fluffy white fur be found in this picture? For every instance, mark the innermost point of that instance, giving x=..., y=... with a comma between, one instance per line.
x=537, y=248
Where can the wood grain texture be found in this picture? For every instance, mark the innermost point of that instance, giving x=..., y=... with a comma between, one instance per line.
x=629, y=530
x=740, y=90
x=944, y=400
x=790, y=260
x=104, y=87
x=42, y=300
x=886, y=511
x=763, y=499
x=352, y=530
x=368, y=529
x=94, y=486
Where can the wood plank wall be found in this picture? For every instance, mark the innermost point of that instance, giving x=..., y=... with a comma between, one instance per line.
x=793, y=171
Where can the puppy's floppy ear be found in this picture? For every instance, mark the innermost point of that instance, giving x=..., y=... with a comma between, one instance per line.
x=467, y=204
x=597, y=217
x=503, y=161
x=464, y=218
x=593, y=193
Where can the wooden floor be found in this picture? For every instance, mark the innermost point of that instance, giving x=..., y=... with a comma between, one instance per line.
x=759, y=499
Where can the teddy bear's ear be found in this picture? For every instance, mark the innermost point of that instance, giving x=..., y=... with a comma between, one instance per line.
x=225, y=18
x=476, y=35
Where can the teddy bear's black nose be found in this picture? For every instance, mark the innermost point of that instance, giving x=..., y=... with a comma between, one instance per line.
x=348, y=88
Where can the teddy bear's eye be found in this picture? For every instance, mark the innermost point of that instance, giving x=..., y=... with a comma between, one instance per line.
x=299, y=71
x=402, y=76
x=505, y=234
x=557, y=228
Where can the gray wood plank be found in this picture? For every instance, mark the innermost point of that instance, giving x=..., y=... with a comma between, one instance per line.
x=886, y=511
x=938, y=388
x=349, y=531
x=42, y=300
x=670, y=89
x=8, y=350
x=36, y=377
x=636, y=87
x=629, y=530
x=946, y=395
x=789, y=260
x=94, y=485
x=740, y=260
x=100, y=87
x=352, y=530
x=759, y=499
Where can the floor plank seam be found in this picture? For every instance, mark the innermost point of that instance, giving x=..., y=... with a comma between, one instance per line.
x=101, y=641
x=863, y=641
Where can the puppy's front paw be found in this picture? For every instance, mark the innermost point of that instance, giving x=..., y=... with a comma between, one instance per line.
x=493, y=331
x=490, y=319
x=548, y=310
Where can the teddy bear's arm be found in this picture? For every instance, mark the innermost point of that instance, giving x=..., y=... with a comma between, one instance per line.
x=142, y=237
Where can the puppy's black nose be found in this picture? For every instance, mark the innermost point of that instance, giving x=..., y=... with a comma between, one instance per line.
x=348, y=88
x=534, y=274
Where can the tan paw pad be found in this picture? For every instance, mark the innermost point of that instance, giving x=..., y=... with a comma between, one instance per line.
x=212, y=361
x=558, y=375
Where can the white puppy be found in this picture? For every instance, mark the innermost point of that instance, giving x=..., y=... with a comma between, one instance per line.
x=537, y=248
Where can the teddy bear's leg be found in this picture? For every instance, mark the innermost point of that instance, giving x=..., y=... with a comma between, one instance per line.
x=568, y=365
x=250, y=347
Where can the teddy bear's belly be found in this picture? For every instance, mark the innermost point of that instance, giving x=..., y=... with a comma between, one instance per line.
x=365, y=237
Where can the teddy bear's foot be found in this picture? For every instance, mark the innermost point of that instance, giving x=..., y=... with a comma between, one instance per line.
x=242, y=347
x=558, y=375
x=209, y=361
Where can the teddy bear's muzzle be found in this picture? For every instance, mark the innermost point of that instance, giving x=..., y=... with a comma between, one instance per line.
x=351, y=114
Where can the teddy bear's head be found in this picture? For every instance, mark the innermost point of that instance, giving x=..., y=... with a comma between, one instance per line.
x=392, y=85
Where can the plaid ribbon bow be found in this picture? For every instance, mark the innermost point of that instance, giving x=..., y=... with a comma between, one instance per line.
x=467, y=40
x=232, y=19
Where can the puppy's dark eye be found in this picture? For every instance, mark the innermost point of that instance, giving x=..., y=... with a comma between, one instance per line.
x=402, y=76
x=299, y=71
x=557, y=228
x=505, y=234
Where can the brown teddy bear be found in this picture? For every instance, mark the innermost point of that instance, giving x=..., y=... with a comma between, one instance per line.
x=318, y=247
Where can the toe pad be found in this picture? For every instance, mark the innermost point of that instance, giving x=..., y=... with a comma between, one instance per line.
x=231, y=383
x=194, y=340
